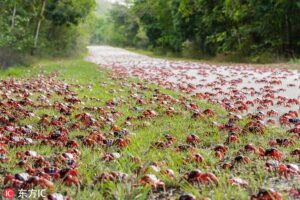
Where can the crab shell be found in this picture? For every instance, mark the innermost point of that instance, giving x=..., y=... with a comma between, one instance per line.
x=187, y=197
x=150, y=179
x=295, y=152
x=274, y=153
x=191, y=139
x=267, y=194
x=238, y=182
x=221, y=148
x=204, y=178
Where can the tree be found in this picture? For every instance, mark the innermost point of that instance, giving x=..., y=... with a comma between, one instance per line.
x=27, y=24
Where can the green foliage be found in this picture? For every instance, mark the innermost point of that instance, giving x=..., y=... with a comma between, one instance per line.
x=29, y=28
x=62, y=12
x=249, y=28
x=119, y=27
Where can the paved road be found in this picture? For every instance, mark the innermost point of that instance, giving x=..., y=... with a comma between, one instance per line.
x=241, y=89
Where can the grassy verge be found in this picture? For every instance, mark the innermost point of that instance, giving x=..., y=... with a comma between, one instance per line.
x=113, y=102
x=216, y=61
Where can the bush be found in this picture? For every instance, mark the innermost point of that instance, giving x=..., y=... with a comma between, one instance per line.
x=9, y=57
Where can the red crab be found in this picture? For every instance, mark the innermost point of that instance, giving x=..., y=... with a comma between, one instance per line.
x=104, y=177
x=281, y=168
x=122, y=142
x=296, y=152
x=272, y=152
x=271, y=122
x=151, y=180
x=192, y=139
x=220, y=151
x=272, y=113
x=170, y=138
x=185, y=147
x=24, y=180
x=135, y=159
x=187, y=197
x=238, y=182
x=197, y=114
x=110, y=157
x=3, y=157
x=168, y=172
x=71, y=144
x=230, y=126
x=254, y=127
x=266, y=194
x=209, y=113
x=198, y=158
x=196, y=176
x=253, y=149
x=149, y=113
x=284, y=121
x=2, y=149
x=232, y=139
x=221, y=148
x=288, y=169
x=293, y=192
x=41, y=182
x=227, y=165
x=170, y=111
x=161, y=144
x=242, y=159
x=293, y=101
x=282, y=142
x=295, y=130
x=71, y=179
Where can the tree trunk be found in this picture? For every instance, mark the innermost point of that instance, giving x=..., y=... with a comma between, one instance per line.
x=288, y=32
x=39, y=24
x=13, y=16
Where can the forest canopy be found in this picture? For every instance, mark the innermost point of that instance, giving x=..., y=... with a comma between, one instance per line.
x=237, y=30
x=201, y=28
x=49, y=27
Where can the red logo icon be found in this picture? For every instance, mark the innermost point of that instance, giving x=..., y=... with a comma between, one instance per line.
x=8, y=193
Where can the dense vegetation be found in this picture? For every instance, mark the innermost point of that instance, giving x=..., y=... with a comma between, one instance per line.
x=77, y=130
x=249, y=30
x=231, y=28
x=43, y=27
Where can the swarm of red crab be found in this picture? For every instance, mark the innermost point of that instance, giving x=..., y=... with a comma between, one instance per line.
x=229, y=144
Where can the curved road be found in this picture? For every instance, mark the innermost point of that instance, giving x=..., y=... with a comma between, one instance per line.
x=241, y=89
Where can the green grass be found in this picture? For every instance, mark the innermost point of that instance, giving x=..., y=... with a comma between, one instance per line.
x=97, y=86
x=168, y=56
x=219, y=60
